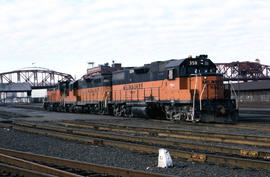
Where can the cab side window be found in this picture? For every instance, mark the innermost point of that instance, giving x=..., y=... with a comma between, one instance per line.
x=171, y=74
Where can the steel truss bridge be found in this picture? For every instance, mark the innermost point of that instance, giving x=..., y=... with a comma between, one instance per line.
x=38, y=78
x=244, y=71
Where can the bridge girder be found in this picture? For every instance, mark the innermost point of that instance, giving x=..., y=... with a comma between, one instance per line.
x=37, y=78
x=244, y=71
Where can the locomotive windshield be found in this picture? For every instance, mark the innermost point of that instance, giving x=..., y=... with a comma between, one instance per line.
x=188, y=66
x=201, y=70
x=197, y=66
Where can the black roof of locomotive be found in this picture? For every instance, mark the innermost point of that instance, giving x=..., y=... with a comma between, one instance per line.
x=173, y=63
x=177, y=62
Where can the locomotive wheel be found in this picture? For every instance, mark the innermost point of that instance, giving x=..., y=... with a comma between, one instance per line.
x=84, y=109
x=101, y=112
x=116, y=111
x=50, y=107
x=130, y=115
x=72, y=109
x=93, y=110
x=45, y=106
x=66, y=109
x=168, y=112
x=234, y=117
x=172, y=113
x=58, y=109
x=96, y=109
x=90, y=109
x=61, y=108
x=120, y=111
x=168, y=115
x=123, y=111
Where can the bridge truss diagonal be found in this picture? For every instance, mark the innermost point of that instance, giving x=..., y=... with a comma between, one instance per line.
x=38, y=78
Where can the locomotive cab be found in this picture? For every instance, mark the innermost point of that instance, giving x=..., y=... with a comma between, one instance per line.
x=199, y=92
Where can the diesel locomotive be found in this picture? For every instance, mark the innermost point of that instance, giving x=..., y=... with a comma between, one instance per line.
x=178, y=89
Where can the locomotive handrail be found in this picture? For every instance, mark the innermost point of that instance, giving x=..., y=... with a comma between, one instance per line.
x=236, y=96
x=194, y=96
x=130, y=94
x=201, y=96
x=106, y=98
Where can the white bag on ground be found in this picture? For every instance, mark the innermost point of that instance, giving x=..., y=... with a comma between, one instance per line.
x=164, y=158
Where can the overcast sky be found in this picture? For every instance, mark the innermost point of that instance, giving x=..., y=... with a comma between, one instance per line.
x=64, y=35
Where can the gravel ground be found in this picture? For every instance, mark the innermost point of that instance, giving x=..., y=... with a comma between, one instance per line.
x=112, y=156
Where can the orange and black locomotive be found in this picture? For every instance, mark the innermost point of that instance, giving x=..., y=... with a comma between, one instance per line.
x=186, y=89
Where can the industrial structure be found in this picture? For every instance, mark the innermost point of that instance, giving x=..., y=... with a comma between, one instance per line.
x=244, y=71
x=16, y=86
x=250, y=80
x=256, y=93
x=38, y=78
x=15, y=92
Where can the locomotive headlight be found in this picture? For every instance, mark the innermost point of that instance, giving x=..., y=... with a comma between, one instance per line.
x=204, y=80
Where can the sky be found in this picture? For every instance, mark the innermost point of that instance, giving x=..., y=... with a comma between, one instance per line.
x=64, y=35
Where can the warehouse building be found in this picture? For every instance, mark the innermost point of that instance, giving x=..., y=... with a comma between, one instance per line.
x=15, y=92
x=256, y=92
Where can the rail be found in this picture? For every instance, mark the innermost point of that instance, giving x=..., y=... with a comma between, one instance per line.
x=184, y=154
x=175, y=133
x=18, y=158
x=157, y=133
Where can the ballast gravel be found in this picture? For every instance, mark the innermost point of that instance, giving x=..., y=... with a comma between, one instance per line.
x=118, y=157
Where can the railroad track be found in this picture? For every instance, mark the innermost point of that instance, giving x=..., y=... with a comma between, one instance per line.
x=151, y=145
x=174, y=133
x=235, y=126
x=34, y=165
x=170, y=133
